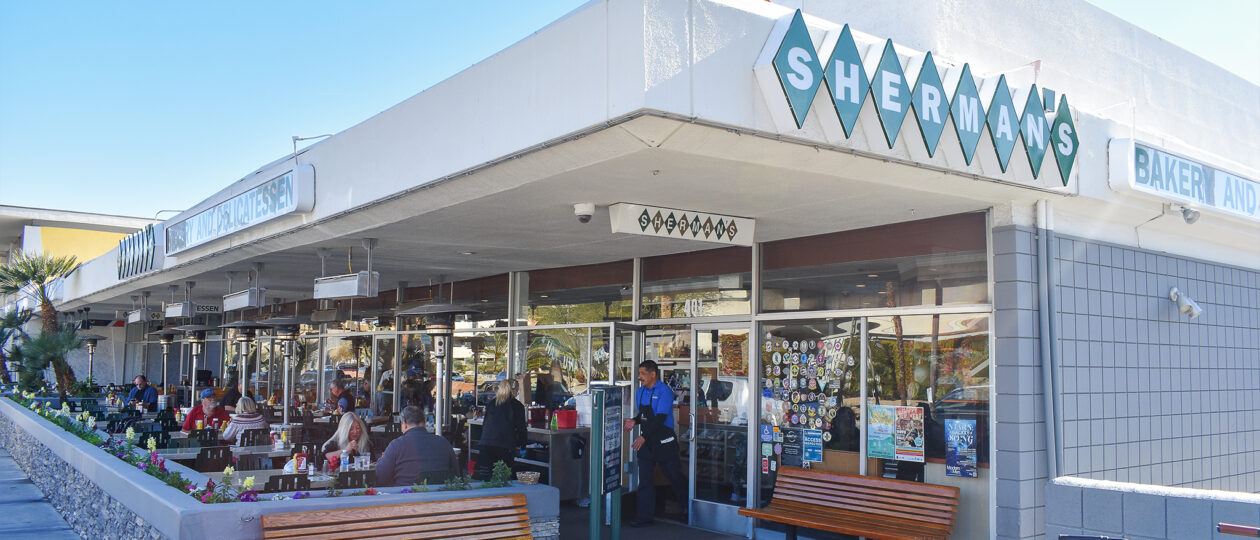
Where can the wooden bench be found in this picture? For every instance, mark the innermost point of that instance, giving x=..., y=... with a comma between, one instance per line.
x=1238, y=530
x=486, y=517
x=859, y=505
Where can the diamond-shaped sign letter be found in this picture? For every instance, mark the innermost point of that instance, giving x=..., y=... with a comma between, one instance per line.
x=1063, y=140
x=708, y=227
x=731, y=230
x=798, y=68
x=891, y=93
x=695, y=226
x=658, y=221
x=1035, y=130
x=1003, y=124
x=683, y=225
x=968, y=114
x=847, y=84
x=720, y=229
x=670, y=223
x=645, y=220
x=931, y=105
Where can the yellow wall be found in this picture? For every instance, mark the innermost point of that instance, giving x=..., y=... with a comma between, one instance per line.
x=86, y=245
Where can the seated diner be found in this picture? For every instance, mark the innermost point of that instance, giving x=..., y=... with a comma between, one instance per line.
x=415, y=454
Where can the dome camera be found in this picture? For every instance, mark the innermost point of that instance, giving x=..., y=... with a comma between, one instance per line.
x=584, y=211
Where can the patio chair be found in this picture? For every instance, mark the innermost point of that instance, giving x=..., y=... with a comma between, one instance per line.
x=183, y=443
x=207, y=437
x=312, y=453
x=287, y=482
x=162, y=438
x=213, y=459
x=255, y=437
x=253, y=462
x=355, y=479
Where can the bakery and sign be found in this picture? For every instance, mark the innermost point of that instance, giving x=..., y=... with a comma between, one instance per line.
x=790, y=72
x=289, y=193
x=1198, y=185
x=684, y=224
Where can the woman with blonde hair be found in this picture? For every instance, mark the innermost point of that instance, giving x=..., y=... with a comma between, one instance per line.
x=351, y=435
x=503, y=432
x=246, y=417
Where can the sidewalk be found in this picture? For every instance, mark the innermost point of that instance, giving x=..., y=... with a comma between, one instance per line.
x=574, y=525
x=27, y=514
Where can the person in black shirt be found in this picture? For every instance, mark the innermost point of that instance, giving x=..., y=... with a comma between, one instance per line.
x=233, y=395
x=503, y=432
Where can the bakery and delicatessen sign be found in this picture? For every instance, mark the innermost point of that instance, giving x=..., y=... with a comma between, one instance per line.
x=791, y=72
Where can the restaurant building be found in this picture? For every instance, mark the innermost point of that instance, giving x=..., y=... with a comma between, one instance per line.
x=866, y=237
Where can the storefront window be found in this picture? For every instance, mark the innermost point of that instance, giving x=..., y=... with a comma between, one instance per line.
x=810, y=369
x=480, y=360
x=576, y=294
x=930, y=262
x=697, y=284
x=926, y=412
x=722, y=394
x=928, y=406
x=558, y=365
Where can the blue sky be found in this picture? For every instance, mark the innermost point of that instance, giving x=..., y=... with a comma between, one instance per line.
x=140, y=106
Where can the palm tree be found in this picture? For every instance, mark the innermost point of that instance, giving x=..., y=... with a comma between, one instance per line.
x=10, y=330
x=34, y=273
x=48, y=348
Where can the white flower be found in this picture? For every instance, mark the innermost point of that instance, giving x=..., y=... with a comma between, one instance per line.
x=248, y=484
x=131, y=434
x=152, y=444
x=228, y=470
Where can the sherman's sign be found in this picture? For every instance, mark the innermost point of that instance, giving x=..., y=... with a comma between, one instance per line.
x=790, y=72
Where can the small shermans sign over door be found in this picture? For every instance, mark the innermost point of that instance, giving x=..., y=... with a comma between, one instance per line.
x=684, y=224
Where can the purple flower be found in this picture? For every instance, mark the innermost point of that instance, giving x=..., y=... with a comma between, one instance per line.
x=249, y=496
x=301, y=495
x=190, y=488
x=405, y=490
x=141, y=465
x=205, y=497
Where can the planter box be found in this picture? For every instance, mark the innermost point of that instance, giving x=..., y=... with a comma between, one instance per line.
x=101, y=496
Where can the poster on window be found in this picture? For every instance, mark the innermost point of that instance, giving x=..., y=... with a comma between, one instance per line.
x=960, y=447
x=908, y=434
x=879, y=431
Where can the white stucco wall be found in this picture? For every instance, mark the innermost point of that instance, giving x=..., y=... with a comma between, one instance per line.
x=694, y=59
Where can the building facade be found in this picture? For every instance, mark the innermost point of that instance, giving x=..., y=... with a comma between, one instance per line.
x=935, y=243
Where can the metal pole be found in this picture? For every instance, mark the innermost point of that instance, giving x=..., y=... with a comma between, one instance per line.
x=596, y=452
x=288, y=354
x=166, y=357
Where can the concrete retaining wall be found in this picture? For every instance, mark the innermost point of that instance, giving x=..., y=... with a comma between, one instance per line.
x=1139, y=511
x=101, y=496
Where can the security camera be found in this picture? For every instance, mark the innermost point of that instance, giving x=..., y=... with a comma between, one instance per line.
x=1185, y=304
x=584, y=211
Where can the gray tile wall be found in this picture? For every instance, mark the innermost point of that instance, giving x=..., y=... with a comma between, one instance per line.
x=1019, y=411
x=1149, y=395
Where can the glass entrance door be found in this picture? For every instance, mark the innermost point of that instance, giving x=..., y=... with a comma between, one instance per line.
x=722, y=390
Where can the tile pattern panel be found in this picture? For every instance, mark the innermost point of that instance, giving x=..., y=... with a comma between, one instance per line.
x=1149, y=395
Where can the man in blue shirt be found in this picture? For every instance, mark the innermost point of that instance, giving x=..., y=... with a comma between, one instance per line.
x=657, y=444
x=143, y=394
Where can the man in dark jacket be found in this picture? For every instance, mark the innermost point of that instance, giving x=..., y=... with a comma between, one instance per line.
x=417, y=452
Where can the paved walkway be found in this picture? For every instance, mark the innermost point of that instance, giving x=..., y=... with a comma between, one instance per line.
x=27, y=514
x=575, y=525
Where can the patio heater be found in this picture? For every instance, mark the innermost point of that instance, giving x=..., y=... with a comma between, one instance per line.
x=439, y=322
x=285, y=330
x=91, y=340
x=245, y=331
x=195, y=335
x=166, y=337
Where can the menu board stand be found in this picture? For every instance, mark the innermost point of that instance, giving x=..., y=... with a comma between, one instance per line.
x=605, y=459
